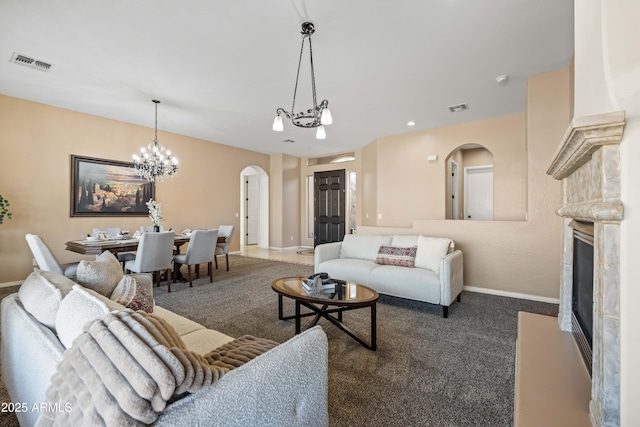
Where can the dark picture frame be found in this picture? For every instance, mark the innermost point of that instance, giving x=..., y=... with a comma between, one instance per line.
x=101, y=187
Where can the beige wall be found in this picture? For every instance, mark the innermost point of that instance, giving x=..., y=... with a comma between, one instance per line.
x=511, y=256
x=410, y=187
x=607, y=78
x=368, y=185
x=291, y=214
x=476, y=157
x=276, y=200
x=36, y=142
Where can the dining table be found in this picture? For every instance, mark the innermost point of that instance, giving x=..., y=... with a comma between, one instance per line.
x=123, y=244
x=115, y=245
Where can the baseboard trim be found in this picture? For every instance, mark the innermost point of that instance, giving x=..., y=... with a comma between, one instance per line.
x=10, y=284
x=512, y=294
x=287, y=249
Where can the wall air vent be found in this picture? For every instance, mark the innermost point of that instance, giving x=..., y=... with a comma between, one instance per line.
x=457, y=108
x=34, y=64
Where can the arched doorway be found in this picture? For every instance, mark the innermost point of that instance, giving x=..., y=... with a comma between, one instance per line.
x=469, y=183
x=254, y=207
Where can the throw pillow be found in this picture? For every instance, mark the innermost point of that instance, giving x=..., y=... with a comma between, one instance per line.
x=82, y=305
x=392, y=255
x=101, y=275
x=134, y=294
x=430, y=252
x=41, y=294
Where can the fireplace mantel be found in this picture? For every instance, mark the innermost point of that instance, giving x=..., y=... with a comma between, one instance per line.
x=584, y=136
x=588, y=164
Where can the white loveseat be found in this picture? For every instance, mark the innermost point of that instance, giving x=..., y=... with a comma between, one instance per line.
x=436, y=278
x=287, y=385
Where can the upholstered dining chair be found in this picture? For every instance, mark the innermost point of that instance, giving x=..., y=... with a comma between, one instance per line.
x=123, y=257
x=112, y=232
x=202, y=249
x=223, y=248
x=154, y=255
x=46, y=259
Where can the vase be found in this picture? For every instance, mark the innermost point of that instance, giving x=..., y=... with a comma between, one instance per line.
x=156, y=228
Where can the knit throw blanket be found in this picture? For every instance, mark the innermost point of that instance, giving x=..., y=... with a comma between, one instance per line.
x=126, y=366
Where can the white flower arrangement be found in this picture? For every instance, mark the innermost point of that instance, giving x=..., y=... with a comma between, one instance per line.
x=155, y=212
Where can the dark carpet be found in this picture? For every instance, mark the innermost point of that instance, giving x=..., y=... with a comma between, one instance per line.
x=427, y=371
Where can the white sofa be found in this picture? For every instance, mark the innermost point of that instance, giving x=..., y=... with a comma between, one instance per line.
x=287, y=385
x=437, y=277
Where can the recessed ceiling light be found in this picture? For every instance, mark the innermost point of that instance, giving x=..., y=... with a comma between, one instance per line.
x=411, y=123
x=457, y=108
x=502, y=79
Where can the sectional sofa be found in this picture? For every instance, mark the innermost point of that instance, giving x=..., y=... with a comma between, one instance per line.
x=286, y=385
x=420, y=268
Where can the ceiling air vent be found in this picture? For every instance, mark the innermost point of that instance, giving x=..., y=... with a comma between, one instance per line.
x=458, y=108
x=288, y=141
x=34, y=64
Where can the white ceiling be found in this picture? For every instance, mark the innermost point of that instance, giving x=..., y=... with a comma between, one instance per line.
x=221, y=68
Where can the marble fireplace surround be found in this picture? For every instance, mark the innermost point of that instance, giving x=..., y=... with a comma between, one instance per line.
x=588, y=164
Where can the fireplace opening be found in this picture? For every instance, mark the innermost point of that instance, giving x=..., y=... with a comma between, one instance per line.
x=582, y=292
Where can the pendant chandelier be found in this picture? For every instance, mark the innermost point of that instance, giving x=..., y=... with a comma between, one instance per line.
x=315, y=117
x=155, y=162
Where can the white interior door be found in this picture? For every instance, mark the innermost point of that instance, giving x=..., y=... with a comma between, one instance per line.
x=252, y=209
x=478, y=193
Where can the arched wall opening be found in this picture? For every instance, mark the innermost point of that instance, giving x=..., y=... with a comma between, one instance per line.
x=459, y=165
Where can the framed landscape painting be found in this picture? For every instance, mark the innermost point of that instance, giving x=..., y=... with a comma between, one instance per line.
x=102, y=187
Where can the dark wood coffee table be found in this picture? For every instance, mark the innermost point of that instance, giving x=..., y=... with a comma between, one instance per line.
x=347, y=296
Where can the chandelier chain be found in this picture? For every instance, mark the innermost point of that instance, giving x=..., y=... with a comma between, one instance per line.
x=295, y=88
x=313, y=77
x=156, y=124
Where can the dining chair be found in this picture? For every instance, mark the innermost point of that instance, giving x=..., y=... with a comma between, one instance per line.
x=46, y=259
x=113, y=232
x=225, y=231
x=202, y=249
x=154, y=255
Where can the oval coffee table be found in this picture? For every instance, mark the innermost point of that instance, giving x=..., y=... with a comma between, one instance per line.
x=346, y=296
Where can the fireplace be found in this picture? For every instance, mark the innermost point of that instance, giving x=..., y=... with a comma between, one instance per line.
x=582, y=290
x=588, y=164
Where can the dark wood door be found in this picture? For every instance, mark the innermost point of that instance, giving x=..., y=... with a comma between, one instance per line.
x=329, y=209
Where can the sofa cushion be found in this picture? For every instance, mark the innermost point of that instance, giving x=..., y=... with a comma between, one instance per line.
x=101, y=275
x=393, y=255
x=135, y=293
x=182, y=325
x=405, y=240
x=41, y=294
x=82, y=305
x=412, y=283
x=430, y=252
x=358, y=246
x=353, y=270
x=203, y=340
